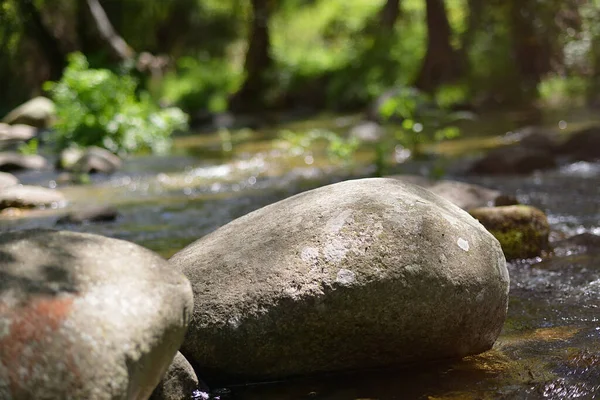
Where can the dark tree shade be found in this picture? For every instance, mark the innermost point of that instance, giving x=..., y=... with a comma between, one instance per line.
x=258, y=60
x=42, y=36
x=441, y=64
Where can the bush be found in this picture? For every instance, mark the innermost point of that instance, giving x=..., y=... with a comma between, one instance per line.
x=96, y=107
x=201, y=84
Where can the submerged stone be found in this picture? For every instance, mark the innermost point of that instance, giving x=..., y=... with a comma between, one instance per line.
x=359, y=274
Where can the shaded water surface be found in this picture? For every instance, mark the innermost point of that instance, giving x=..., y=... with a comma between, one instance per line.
x=550, y=345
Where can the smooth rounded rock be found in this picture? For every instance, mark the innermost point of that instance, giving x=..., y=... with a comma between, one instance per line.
x=90, y=214
x=583, y=145
x=359, y=274
x=86, y=317
x=25, y=196
x=13, y=161
x=14, y=134
x=514, y=160
x=7, y=180
x=179, y=381
x=91, y=160
x=37, y=112
x=521, y=230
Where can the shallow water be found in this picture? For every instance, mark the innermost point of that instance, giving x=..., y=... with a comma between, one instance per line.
x=550, y=345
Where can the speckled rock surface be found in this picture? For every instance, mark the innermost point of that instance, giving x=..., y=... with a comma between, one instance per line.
x=25, y=196
x=86, y=317
x=521, y=230
x=179, y=381
x=358, y=274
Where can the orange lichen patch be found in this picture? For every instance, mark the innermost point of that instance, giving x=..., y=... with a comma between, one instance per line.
x=492, y=361
x=543, y=334
x=30, y=331
x=556, y=333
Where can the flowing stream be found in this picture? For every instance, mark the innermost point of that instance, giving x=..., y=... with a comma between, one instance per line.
x=550, y=345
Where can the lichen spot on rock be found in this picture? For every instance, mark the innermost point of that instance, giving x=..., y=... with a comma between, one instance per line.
x=345, y=277
x=463, y=244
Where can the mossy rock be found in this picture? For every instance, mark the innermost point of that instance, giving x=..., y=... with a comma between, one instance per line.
x=521, y=230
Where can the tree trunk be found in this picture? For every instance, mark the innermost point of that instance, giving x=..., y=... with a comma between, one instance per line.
x=474, y=21
x=48, y=44
x=441, y=64
x=389, y=14
x=258, y=61
x=593, y=95
x=528, y=50
x=117, y=44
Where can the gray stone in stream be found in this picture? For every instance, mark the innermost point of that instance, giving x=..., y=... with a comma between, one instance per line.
x=583, y=145
x=464, y=195
x=7, y=180
x=37, y=112
x=367, y=131
x=514, y=160
x=25, y=196
x=86, y=317
x=179, y=382
x=359, y=274
x=91, y=160
x=13, y=161
x=90, y=214
x=582, y=243
x=14, y=134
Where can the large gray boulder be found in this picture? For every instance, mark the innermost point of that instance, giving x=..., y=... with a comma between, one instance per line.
x=359, y=274
x=86, y=317
x=38, y=112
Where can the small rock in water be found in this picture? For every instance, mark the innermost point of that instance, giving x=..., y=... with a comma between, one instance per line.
x=521, y=230
x=12, y=161
x=178, y=382
x=7, y=180
x=90, y=214
x=25, y=196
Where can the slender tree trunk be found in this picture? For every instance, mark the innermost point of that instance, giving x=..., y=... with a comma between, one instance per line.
x=258, y=61
x=47, y=43
x=474, y=21
x=389, y=14
x=531, y=56
x=116, y=43
x=593, y=95
x=441, y=64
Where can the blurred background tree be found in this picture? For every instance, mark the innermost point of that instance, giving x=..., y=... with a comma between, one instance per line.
x=209, y=56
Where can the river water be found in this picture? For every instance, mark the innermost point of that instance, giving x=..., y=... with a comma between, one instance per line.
x=550, y=345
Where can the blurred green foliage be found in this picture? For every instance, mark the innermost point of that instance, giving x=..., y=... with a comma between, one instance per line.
x=200, y=84
x=327, y=54
x=96, y=107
